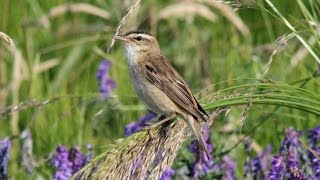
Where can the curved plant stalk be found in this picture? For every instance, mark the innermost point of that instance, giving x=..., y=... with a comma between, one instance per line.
x=148, y=153
x=269, y=93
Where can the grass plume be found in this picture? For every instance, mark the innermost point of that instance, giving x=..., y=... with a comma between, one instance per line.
x=145, y=154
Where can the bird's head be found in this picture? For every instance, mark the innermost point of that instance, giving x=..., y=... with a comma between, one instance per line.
x=139, y=42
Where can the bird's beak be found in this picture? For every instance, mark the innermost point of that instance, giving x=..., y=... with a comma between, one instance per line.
x=121, y=38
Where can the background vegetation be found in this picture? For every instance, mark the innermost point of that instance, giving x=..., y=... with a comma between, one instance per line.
x=50, y=80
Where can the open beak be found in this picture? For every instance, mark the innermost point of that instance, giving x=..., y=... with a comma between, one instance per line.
x=121, y=38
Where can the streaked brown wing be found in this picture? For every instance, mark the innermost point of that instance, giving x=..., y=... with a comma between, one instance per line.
x=164, y=76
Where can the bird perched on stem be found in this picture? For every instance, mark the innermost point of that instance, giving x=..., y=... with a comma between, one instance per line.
x=159, y=85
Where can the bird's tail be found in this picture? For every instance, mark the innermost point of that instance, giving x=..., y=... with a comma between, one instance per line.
x=197, y=131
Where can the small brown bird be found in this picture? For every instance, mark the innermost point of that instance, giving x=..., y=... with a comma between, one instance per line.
x=159, y=85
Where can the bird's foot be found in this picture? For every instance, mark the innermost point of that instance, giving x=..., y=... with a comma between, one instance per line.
x=161, y=121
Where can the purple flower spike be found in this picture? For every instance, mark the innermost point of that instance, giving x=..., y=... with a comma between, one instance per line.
x=291, y=140
x=147, y=118
x=131, y=128
x=293, y=171
x=167, y=174
x=257, y=167
x=62, y=163
x=228, y=165
x=103, y=69
x=5, y=146
x=106, y=84
x=134, y=127
x=277, y=168
x=77, y=159
x=315, y=163
x=67, y=162
x=314, y=137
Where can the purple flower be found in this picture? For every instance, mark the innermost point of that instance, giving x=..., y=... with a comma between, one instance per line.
x=293, y=171
x=27, y=148
x=62, y=164
x=291, y=140
x=147, y=118
x=228, y=165
x=203, y=164
x=314, y=136
x=77, y=159
x=131, y=128
x=258, y=165
x=62, y=175
x=277, y=168
x=313, y=139
x=67, y=162
x=4, y=157
x=315, y=163
x=134, y=127
x=257, y=168
x=106, y=84
x=167, y=174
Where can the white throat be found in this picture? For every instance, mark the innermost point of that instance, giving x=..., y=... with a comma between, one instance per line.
x=132, y=55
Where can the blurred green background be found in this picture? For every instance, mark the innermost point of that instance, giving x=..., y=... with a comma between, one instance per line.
x=60, y=44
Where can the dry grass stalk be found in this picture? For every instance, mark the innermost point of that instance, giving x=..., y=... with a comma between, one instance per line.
x=8, y=40
x=4, y=90
x=185, y=10
x=44, y=66
x=68, y=8
x=227, y=11
x=33, y=103
x=266, y=49
x=3, y=79
x=144, y=155
x=245, y=114
x=280, y=43
x=20, y=73
x=122, y=22
x=302, y=52
x=24, y=105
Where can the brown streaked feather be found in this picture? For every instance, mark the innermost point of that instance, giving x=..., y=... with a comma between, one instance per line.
x=160, y=72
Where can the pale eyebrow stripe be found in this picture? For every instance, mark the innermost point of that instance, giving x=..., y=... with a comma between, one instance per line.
x=145, y=36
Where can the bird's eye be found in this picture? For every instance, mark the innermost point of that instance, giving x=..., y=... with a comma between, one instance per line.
x=138, y=38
